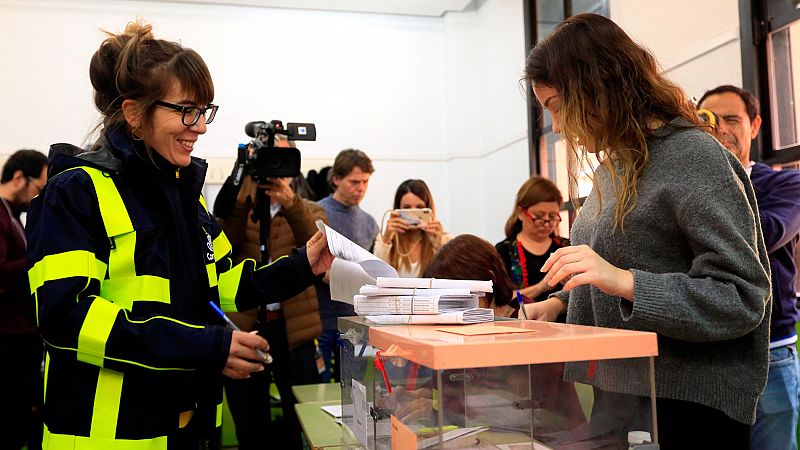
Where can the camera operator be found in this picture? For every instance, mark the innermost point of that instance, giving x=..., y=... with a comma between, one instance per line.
x=290, y=327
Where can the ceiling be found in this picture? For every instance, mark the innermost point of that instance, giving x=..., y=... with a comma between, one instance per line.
x=430, y=8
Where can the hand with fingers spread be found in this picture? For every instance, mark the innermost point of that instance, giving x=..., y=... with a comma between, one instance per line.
x=579, y=265
x=243, y=358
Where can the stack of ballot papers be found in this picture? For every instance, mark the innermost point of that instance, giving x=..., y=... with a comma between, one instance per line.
x=374, y=300
x=372, y=286
x=467, y=316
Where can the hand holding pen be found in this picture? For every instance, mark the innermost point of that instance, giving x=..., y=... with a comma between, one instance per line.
x=245, y=348
x=522, y=305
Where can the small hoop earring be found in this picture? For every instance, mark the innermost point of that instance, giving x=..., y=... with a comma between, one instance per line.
x=136, y=134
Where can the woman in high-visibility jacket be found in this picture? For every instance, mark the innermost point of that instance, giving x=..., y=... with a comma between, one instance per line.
x=125, y=259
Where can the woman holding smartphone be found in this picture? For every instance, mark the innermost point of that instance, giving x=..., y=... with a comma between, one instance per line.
x=412, y=234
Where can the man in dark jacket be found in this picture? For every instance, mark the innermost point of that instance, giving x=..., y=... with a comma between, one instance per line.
x=289, y=327
x=778, y=196
x=24, y=175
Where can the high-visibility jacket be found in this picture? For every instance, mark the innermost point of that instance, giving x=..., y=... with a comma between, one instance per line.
x=130, y=355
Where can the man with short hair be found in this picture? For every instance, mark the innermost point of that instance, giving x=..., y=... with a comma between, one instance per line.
x=778, y=196
x=23, y=178
x=350, y=178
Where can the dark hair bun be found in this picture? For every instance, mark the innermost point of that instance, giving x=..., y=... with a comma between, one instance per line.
x=103, y=67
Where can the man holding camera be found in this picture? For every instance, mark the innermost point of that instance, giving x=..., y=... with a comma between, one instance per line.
x=350, y=178
x=289, y=327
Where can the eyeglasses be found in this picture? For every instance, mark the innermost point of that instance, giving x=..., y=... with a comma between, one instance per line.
x=191, y=114
x=36, y=183
x=542, y=221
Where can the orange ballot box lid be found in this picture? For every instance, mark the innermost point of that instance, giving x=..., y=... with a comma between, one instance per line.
x=513, y=343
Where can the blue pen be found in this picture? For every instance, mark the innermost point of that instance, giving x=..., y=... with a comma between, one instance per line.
x=266, y=357
x=521, y=305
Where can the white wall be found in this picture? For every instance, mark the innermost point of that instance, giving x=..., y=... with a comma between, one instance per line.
x=418, y=94
x=696, y=42
x=485, y=116
x=436, y=98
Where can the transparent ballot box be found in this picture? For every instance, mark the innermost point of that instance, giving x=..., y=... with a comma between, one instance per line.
x=360, y=429
x=502, y=385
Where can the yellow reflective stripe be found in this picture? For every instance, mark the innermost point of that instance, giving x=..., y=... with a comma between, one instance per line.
x=212, y=274
x=76, y=263
x=126, y=290
x=121, y=259
x=106, y=404
x=189, y=325
x=46, y=373
x=134, y=363
x=228, y=286
x=222, y=246
x=218, y=422
x=112, y=208
x=52, y=441
x=95, y=331
x=203, y=202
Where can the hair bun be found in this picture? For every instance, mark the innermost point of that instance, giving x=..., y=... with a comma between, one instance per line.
x=138, y=30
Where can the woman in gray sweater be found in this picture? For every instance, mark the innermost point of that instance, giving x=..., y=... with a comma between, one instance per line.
x=668, y=241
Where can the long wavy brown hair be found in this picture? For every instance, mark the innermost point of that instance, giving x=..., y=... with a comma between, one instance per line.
x=396, y=259
x=612, y=95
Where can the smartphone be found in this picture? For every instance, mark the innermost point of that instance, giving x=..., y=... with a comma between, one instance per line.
x=416, y=217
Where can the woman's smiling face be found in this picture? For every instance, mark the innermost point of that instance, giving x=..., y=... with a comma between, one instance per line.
x=167, y=135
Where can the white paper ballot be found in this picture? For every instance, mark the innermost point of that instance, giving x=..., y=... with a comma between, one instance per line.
x=473, y=315
x=375, y=290
x=362, y=421
x=353, y=266
x=333, y=410
x=412, y=304
x=434, y=283
x=346, y=279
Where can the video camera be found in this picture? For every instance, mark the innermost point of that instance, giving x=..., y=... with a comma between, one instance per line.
x=261, y=159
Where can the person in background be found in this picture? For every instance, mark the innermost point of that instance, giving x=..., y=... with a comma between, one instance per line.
x=126, y=263
x=289, y=327
x=468, y=257
x=408, y=247
x=778, y=196
x=24, y=176
x=668, y=240
x=531, y=236
x=350, y=179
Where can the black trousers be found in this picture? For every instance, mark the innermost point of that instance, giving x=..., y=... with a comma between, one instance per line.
x=21, y=382
x=689, y=425
x=249, y=399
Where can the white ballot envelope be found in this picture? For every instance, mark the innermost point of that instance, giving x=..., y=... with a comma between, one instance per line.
x=353, y=266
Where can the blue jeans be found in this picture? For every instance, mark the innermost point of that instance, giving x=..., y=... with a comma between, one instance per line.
x=329, y=348
x=776, y=414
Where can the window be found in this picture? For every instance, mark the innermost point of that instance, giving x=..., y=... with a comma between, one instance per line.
x=784, y=84
x=770, y=33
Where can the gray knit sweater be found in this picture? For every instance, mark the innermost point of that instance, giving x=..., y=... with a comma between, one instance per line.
x=700, y=270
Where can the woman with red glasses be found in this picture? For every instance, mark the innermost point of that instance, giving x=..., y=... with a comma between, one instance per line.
x=531, y=236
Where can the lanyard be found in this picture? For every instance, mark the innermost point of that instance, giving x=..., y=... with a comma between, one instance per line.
x=523, y=265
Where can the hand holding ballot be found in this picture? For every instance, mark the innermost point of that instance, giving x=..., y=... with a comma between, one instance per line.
x=318, y=253
x=360, y=278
